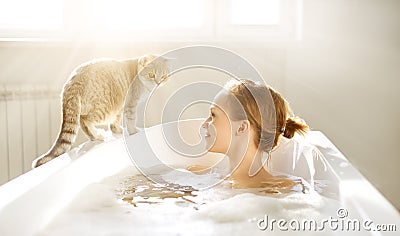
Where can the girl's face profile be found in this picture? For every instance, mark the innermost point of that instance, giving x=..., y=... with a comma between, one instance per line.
x=218, y=128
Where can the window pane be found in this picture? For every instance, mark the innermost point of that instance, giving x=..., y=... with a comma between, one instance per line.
x=255, y=12
x=31, y=14
x=147, y=14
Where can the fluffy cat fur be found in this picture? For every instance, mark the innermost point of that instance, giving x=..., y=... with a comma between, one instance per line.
x=95, y=94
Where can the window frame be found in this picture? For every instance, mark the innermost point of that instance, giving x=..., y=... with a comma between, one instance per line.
x=286, y=30
x=79, y=25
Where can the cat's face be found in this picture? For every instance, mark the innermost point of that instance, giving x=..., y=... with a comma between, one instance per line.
x=153, y=70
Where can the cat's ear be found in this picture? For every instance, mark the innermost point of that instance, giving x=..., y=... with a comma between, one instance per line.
x=146, y=59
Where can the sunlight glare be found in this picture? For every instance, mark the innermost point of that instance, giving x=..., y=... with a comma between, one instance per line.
x=255, y=12
x=31, y=14
x=154, y=14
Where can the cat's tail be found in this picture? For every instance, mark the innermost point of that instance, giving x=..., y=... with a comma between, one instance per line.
x=71, y=109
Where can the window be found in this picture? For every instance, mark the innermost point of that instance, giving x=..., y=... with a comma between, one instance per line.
x=150, y=14
x=158, y=20
x=150, y=20
x=255, y=12
x=31, y=14
x=260, y=20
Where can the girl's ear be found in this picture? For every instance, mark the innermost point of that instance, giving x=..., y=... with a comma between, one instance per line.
x=243, y=128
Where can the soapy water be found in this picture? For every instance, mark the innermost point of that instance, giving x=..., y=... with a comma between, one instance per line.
x=129, y=203
x=138, y=190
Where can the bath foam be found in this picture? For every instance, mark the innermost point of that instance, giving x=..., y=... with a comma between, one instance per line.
x=97, y=210
x=93, y=197
x=186, y=178
x=246, y=206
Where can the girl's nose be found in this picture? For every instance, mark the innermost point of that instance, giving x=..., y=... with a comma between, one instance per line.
x=205, y=123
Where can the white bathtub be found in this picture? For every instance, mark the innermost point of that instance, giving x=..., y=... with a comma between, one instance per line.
x=31, y=201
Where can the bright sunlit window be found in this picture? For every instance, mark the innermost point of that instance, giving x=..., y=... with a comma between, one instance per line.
x=127, y=20
x=255, y=12
x=151, y=14
x=31, y=14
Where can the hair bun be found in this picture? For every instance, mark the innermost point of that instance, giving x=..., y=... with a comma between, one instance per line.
x=293, y=125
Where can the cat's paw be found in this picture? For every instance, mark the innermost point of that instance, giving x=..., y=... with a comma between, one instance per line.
x=100, y=136
x=116, y=129
x=132, y=130
x=41, y=160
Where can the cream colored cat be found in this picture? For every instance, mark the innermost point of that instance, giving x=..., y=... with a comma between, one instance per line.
x=95, y=94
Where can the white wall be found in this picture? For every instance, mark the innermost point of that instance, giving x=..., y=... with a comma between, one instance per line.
x=342, y=77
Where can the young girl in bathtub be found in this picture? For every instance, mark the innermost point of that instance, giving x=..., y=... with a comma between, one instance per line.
x=247, y=120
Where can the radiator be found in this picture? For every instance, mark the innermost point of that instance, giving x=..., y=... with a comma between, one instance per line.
x=30, y=118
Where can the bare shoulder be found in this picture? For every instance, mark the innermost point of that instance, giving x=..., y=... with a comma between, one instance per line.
x=198, y=169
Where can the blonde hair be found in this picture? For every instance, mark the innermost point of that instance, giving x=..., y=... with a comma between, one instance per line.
x=267, y=111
